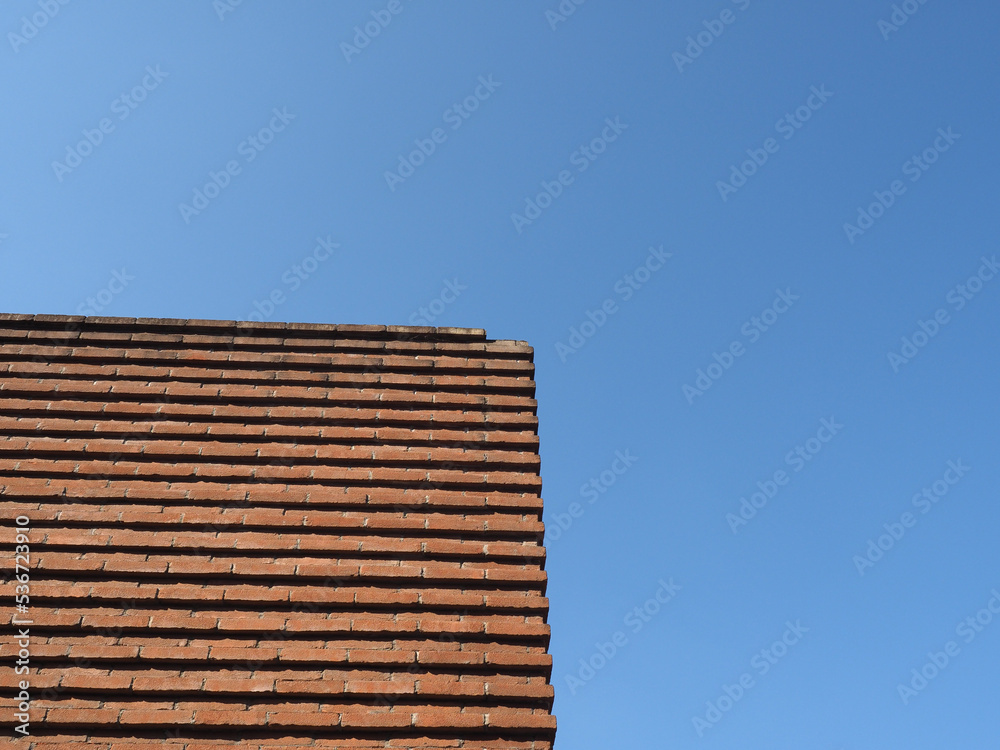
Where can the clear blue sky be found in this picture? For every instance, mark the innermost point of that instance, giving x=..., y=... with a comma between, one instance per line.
x=760, y=271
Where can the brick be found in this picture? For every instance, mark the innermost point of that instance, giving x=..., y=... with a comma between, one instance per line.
x=368, y=656
x=81, y=716
x=311, y=687
x=181, y=621
x=371, y=719
x=160, y=682
x=251, y=622
x=83, y=651
x=174, y=652
x=301, y=719
x=449, y=657
x=520, y=720
x=444, y=718
x=380, y=687
x=234, y=685
x=105, y=680
x=244, y=654
x=320, y=655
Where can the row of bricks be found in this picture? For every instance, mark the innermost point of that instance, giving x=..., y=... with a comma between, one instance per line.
x=301, y=676
x=239, y=494
x=196, y=484
x=271, y=403
x=217, y=514
x=275, y=511
x=21, y=399
x=171, y=450
x=421, y=364
x=118, y=635
x=318, y=743
x=291, y=654
x=64, y=741
x=219, y=541
x=425, y=714
x=250, y=337
x=437, y=340
x=420, y=519
x=70, y=323
x=336, y=703
x=276, y=435
x=179, y=391
x=239, y=683
x=396, y=518
x=374, y=581
x=358, y=719
x=270, y=472
x=344, y=610
x=304, y=715
x=199, y=342
x=209, y=472
x=498, y=626
x=372, y=521
x=203, y=374
x=502, y=654
x=276, y=569
x=222, y=517
x=47, y=589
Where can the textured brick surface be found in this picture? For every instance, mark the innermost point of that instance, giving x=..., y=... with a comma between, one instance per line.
x=276, y=535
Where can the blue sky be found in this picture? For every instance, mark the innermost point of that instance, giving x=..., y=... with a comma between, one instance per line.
x=511, y=167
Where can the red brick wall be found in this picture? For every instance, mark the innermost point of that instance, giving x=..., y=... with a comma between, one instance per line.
x=271, y=535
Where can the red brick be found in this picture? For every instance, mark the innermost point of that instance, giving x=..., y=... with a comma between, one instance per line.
x=154, y=718
x=511, y=719
x=232, y=685
x=104, y=680
x=366, y=719
x=242, y=717
x=174, y=652
x=446, y=718
x=81, y=716
x=311, y=687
